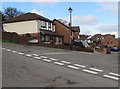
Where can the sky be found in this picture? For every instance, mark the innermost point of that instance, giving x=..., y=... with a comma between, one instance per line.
x=92, y=17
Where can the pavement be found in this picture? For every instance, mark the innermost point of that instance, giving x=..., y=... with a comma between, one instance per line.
x=34, y=66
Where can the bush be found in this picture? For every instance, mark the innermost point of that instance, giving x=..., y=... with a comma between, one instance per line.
x=10, y=41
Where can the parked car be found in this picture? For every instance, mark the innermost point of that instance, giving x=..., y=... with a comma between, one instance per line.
x=81, y=43
x=114, y=49
x=33, y=40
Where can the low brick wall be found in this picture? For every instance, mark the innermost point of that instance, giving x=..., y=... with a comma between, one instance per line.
x=64, y=47
x=104, y=50
x=14, y=37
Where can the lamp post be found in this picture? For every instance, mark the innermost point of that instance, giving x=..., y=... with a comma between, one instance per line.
x=70, y=24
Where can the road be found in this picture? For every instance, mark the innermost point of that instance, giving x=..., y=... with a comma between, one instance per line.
x=32, y=66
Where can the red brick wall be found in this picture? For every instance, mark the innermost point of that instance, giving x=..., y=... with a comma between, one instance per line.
x=75, y=35
x=14, y=37
x=61, y=29
x=110, y=39
x=33, y=35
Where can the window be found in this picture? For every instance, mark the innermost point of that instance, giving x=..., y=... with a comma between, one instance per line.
x=43, y=24
x=53, y=27
x=42, y=38
x=47, y=38
x=49, y=25
x=60, y=39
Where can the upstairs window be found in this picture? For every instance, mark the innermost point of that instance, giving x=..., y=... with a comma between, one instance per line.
x=43, y=24
x=49, y=25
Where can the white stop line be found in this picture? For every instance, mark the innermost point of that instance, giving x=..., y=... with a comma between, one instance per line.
x=58, y=63
x=111, y=77
x=98, y=70
x=89, y=71
x=28, y=55
x=46, y=60
x=73, y=67
x=80, y=65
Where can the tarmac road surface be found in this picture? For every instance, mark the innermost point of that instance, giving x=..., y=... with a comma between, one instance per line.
x=31, y=66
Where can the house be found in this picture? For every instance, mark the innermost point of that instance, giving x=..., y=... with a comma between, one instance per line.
x=64, y=30
x=104, y=40
x=36, y=26
x=83, y=37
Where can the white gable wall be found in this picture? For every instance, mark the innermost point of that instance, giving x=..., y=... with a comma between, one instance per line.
x=22, y=27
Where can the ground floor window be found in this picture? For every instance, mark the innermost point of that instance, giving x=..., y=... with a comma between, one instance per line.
x=47, y=38
x=43, y=38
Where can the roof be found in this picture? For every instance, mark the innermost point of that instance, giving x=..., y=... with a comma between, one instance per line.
x=74, y=28
x=27, y=17
x=61, y=23
x=46, y=32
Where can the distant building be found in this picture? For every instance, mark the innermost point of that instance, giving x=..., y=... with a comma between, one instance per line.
x=83, y=37
x=104, y=40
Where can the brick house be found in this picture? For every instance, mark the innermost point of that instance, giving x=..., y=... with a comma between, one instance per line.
x=83, y=37
x=106, y=40
x=63, y=29
x=37, y=26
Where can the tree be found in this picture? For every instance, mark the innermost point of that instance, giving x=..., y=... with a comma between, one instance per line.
x=2, y=16
x=11, y=12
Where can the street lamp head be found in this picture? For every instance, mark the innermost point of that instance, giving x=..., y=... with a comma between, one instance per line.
x=70, y=10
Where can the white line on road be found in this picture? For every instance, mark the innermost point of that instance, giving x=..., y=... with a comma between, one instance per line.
x=37, y=57
x=28, y=55
x=89, y=71
x=98, y=70
x=53, y=59
x=8, y=50
x=20, y=53
x=43, y=56
x=80, y=65
x=46, y=60
x=58, y=63
x=66, y=62
x=115, y=74
x=73, y=67
x=14, y=51
x=108, y=76
x=35, y=54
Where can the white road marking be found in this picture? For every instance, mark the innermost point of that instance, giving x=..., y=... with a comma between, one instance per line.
x=14, y=51
x=37, y=57
x=43, y=56
x=89, y=71
x=115, y=74
x=46, y=60
x=58, y=63
x=73, y=67
x=53, y=59
x=20, y=53
x=111, y=77
x=28, y=55
x=66, y=62
x=98, y=70
x=80, y=65
x=8, y=50
x=35, y=54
